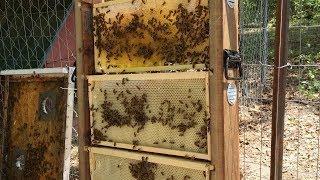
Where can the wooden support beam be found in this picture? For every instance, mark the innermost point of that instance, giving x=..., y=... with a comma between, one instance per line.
x=4, y=143
x=224, y=126
x=279, y=89
x=84, y=42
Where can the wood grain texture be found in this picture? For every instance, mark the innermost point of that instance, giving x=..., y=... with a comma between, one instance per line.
x=225, y=141
x=4, y=113
x=84, y=44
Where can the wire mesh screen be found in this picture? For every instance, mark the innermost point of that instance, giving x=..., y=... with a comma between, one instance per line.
x=301, y=135
x=34, y=33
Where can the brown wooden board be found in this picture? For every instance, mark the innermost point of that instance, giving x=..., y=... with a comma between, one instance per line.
x=38, y=129
x=143, y=35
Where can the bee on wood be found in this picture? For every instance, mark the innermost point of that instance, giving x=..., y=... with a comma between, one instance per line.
x=182, y=146
x=117, y=84
x=164, y=3
x=171, y=142
x=108, y=11
x=138, y=88
x=144, y=1
x=181, y=102
x=164, y=141
x=132, y=2
x=118, y=166
x=156, y=142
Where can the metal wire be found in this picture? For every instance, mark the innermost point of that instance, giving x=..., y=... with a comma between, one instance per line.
x=302, y=115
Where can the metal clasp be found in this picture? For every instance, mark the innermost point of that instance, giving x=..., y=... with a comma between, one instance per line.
x=232, y=60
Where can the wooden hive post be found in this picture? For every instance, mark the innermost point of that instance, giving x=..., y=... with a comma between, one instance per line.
x=84, y=45
x=225, y=132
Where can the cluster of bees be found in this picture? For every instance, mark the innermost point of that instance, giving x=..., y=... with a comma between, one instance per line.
x=143, y=170
x=178, y=36
x=136, y=112
x=35, y=165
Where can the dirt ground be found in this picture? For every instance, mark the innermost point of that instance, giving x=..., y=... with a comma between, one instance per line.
x=301, y=141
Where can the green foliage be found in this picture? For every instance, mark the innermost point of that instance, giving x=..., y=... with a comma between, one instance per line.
x=310, y=82
x=304, y=42
x=306, y=12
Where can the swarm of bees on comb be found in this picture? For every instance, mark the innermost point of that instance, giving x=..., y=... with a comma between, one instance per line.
x=143, y=170
x=137, y=110
x=170, y=37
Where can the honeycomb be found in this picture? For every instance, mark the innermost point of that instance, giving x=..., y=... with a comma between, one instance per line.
x=150, y=33
x=123, y=168
x=161, y=110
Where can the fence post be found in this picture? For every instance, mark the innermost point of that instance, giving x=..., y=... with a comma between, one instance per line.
x=279, y=85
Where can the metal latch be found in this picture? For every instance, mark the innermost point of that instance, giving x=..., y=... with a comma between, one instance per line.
x=232, y=60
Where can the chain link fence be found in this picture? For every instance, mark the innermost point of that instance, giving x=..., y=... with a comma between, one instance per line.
x=302, y=119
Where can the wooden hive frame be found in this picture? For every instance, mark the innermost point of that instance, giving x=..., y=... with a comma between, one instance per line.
x=156, y=76
x=225, y=137
x=152, y=158
x=48, y=72
x=102, y=6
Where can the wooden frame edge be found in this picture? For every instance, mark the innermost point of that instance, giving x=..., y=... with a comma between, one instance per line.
x=69, y=124
x=150, y=76
x=157, y=150
x=182, y=75
x=35, y=71
x=155, y=158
